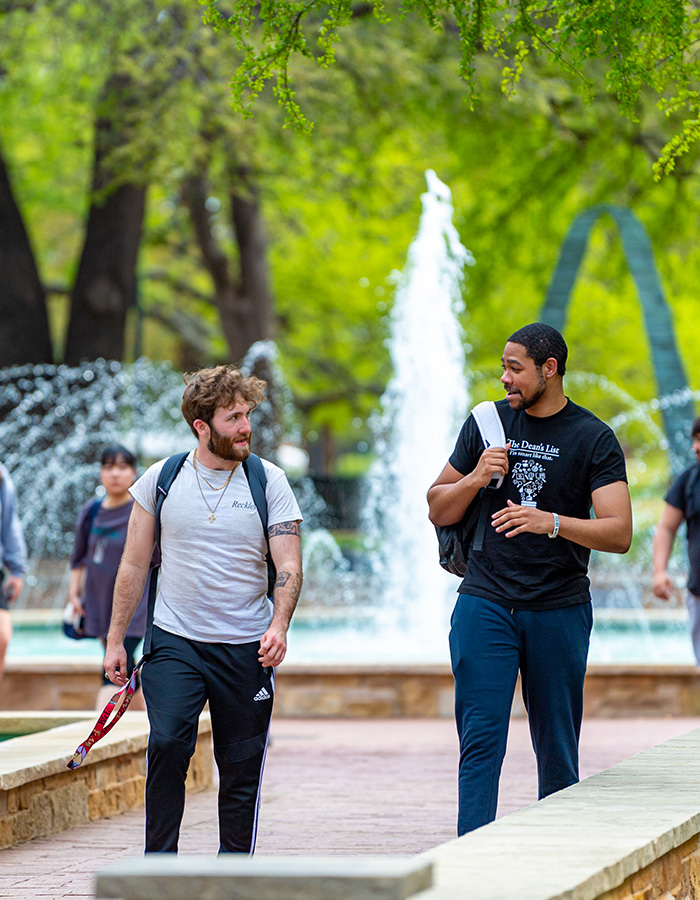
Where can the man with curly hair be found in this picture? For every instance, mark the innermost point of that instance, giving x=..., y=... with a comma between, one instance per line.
x=217, y=635
x=524, y=604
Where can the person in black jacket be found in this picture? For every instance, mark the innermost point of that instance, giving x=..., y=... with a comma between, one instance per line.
x=682, y=503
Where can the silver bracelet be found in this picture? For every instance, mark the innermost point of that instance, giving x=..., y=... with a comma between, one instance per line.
x=555, y=530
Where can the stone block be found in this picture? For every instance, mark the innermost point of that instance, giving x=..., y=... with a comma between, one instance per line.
x=418, y=698
x=116, y=798
x=265, y=878
x=69, y=806
x=23, y=827
x=201, y=771
x=41, y=812
x=6, y=832
x=28, y=791
x=103, y=775
x=126, y=767
x=371, y=703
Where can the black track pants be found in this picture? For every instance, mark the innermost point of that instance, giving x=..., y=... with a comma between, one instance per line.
x=178, y=679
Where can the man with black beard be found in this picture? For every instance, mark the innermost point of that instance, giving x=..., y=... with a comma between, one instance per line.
x=524, y=604
x=217, y=635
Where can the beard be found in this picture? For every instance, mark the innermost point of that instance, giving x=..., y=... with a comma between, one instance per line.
x=225, y=448
x=527, y=402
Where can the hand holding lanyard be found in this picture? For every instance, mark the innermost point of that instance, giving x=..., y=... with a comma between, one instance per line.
x=119, y=702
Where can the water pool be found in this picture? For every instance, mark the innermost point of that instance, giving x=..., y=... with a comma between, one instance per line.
x=634, y=637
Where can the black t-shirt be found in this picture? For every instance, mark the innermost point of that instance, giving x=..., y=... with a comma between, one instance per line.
x=555, y=463
x=685, y=495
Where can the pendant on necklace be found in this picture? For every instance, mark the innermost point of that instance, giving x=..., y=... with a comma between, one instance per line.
x=212, y=517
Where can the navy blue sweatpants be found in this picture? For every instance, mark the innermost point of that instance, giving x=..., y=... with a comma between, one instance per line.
x=489, y=644
x=178, y=679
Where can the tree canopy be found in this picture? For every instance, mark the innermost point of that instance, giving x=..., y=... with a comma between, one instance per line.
x=332, y=214
x=644, y=45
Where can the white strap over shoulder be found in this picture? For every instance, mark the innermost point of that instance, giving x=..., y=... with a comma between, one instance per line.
x=491, y=428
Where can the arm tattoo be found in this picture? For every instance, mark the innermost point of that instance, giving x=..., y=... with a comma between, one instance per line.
x=283, y=579
x=283, y=528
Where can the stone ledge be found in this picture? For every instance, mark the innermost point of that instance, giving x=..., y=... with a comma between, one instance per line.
x=264, y=878
x=39, y=795
x=33, y=756
x=632, y=831
x=317, y=690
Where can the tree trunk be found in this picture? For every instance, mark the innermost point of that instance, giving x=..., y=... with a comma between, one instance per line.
x=244, y=305
x=195, y=191
x=255, y=301
x=105, y=286
x=24, y=324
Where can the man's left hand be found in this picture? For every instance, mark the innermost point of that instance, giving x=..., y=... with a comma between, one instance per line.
x=273, y=646
x=516, y=519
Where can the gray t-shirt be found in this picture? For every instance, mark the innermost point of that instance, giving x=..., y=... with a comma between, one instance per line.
x=213, y=579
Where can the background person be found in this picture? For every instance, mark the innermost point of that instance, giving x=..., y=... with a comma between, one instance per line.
x=217, y=636
x=524, y=604
x=682, y=503
x=100, y=535
x=13, y=560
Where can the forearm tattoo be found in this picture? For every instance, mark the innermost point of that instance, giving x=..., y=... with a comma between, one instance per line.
x=283, y=528
x=283, y=580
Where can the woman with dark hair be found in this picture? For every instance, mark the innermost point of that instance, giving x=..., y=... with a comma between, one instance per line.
x=100, y=533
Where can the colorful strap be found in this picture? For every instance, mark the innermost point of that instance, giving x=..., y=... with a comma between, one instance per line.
x=102, y=726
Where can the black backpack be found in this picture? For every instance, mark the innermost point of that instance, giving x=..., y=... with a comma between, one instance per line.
x=457, y=541
x=257, y=481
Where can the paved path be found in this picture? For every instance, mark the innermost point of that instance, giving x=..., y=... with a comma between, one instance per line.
x=331, y=786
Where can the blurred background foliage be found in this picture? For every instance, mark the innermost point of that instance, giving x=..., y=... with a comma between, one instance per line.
x=251, y=230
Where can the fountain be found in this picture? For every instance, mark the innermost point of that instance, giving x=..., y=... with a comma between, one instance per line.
x=422, y=410
x=391, y=607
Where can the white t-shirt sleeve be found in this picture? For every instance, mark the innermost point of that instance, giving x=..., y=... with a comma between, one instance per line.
x=281, y=502
x=143, y=490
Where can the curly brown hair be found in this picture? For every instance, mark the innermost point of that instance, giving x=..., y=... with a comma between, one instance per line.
x=221, y=386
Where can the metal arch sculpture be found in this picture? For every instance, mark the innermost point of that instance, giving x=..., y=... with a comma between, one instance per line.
x=668, y=368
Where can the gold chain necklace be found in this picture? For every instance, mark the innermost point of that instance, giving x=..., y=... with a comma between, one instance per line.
x=208, y=483
x=212, y=515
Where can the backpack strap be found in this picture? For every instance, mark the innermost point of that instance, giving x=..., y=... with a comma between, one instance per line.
x=490, y=427
x=92, y=512
x=492, y=434
x=167, y=475
x=257, y=482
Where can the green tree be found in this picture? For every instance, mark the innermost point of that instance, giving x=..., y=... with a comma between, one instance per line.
x=644, y=45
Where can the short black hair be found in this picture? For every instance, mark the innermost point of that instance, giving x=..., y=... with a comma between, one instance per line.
x=542, y=342
x=114, y=452
x=696, y=427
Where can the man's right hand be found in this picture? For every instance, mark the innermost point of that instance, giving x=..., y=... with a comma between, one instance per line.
x=493, y=461
x=115, y=664
x=662, y=585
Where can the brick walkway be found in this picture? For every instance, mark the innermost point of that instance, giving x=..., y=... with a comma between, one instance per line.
x=331, y=787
